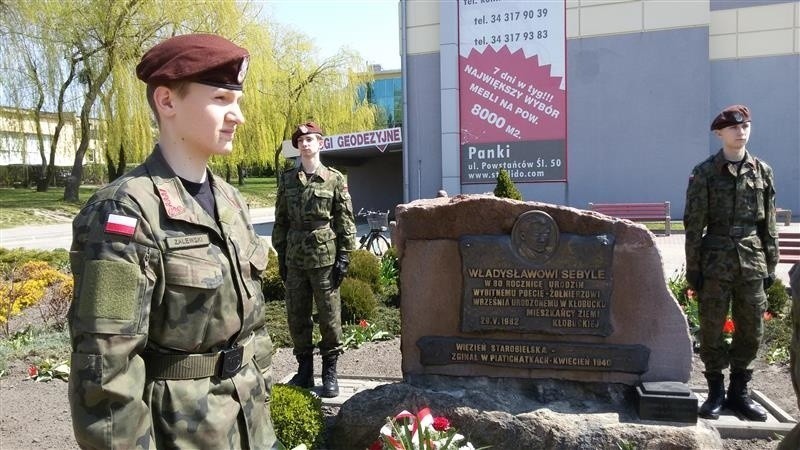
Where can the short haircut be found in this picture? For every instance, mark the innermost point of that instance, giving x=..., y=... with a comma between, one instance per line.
x=180, y=88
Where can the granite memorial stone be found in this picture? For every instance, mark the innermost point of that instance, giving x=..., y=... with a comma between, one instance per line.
x=533, y=290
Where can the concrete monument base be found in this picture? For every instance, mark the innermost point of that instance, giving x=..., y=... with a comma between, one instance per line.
x=512, y=414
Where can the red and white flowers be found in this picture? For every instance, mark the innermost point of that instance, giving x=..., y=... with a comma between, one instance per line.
x=423, y=431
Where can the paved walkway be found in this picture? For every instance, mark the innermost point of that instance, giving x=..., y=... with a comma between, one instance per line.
x=60, y=236
x=673, y=256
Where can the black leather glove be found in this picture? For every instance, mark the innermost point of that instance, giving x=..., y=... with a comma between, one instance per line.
x=769, y=281
x=282, y=269
x=694, y=279
x=339, y=269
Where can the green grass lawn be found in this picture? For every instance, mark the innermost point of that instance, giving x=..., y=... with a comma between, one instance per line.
x=676, y=226
x=259, y=192
x=27, y=207
x=20, y=207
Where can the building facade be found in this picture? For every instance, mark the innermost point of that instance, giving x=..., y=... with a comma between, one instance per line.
x=386, y=92
x=19, y=143
x=643, y=81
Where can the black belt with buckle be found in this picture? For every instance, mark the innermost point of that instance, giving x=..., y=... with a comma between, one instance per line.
x=733, y=231
x=310, y=225
x=231, y=361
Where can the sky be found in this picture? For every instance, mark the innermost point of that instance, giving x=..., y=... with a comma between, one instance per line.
x=369, y=27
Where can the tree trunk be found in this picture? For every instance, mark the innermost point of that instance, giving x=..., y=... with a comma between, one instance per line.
x=240, y=173
x=115, y=171
x=123, y=162
x=110, y=167
x=51, y=167
x=72, y=187
x=41, y=180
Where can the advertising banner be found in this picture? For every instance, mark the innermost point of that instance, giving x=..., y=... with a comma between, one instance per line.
x=512, y=80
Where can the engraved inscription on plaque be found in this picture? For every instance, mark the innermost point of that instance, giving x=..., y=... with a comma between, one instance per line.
x=440, y=350
x=537, y=280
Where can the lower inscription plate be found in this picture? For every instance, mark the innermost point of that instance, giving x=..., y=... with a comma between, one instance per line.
x=439, y=350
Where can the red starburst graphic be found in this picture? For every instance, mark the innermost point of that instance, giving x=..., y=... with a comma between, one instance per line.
x=507, y=96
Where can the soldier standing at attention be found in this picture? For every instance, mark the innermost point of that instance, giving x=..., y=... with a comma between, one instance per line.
x=314, y=233
x=170, y=348
x=732, y=195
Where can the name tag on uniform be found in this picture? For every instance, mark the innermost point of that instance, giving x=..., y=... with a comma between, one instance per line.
x=189, y=241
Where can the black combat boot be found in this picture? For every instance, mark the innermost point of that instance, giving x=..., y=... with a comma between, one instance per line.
x=716, y=396
x=304, y=377
x=330, y=385
x=739, y=398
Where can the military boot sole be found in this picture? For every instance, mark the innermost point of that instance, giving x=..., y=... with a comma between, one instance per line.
x=712, y=408
x=330, y=390
x=746, y=412
x=329, y=394
x=709, y=415
x=305, y=384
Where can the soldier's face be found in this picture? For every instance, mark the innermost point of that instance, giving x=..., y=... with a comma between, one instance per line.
x=206, y=119
x=734, y=136
x=309, y=145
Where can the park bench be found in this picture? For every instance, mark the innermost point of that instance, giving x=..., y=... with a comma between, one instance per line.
x=636, y=212
x=786, y=214
x=789, y=247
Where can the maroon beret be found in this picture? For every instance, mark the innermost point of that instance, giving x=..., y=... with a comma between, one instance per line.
x=203, y=58
x=732, y=115
x=304, y=129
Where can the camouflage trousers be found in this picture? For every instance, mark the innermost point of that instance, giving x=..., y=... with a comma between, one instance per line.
x=747, y=301
x=304, y=286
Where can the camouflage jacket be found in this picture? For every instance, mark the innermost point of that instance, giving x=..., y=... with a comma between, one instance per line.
x=154, y=273
x=313, y=218
x=737, y=211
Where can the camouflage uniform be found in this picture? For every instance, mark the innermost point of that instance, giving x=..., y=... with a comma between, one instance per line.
x=737, y=252
x=313, y=222
x=181, y=283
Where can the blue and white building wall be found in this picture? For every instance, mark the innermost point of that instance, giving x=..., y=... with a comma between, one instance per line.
x=644, y=79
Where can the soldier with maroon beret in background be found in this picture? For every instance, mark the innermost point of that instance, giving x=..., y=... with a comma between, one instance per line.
x=314, y=234
x=167, y=324
x=731, y=254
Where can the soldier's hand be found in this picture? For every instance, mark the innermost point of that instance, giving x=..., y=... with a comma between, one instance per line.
x=694, y=279
x=339, y=269
x=769, y=281
x=282, y=270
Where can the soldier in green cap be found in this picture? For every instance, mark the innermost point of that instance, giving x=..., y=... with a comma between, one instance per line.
x=167, y=326
x=314, y=233
x=731, y=254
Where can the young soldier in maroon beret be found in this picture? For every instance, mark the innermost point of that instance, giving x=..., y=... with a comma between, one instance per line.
x=731, y=195
x=314, y=234
x=170, y=347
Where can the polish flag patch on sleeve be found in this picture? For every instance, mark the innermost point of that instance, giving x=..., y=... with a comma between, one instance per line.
x=122, y=225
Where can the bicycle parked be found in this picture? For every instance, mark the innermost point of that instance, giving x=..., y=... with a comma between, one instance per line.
x=374, y=240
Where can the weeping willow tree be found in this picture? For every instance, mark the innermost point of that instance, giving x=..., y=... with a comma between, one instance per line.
x=90, y=49
x=128, y=127
x=292, y=84
x=35, y=80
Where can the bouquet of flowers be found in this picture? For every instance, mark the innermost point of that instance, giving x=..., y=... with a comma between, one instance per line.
x=422, y=431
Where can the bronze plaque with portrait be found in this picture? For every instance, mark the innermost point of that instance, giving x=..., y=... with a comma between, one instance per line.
x=537, y=280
